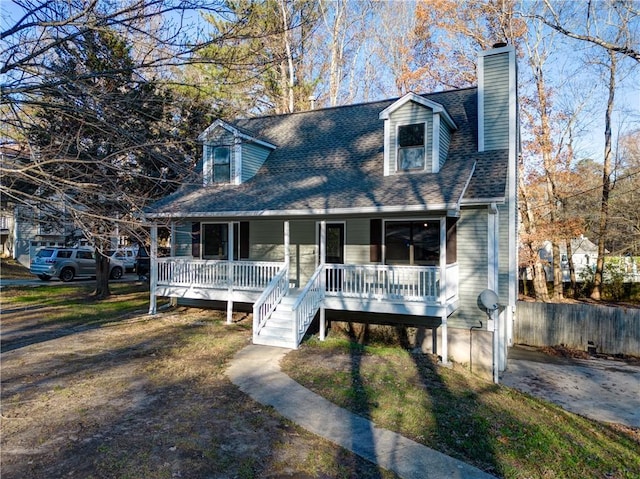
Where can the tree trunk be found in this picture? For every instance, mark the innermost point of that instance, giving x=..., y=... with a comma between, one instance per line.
x=558, y=284
x=596, y=294
x=102, y=276
x=572, y=270
x=540, y=282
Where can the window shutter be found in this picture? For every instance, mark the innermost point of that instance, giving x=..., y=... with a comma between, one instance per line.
x=244, y=240
x=195, y=240
x=375, y=241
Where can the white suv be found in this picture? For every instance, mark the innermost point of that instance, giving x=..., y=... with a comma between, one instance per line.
x=68, y=263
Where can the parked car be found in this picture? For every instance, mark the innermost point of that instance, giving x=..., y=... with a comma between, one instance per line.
x=127, y=256
x=69, y=263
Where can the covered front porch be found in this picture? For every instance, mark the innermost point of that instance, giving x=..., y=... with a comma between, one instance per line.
x=284, y=306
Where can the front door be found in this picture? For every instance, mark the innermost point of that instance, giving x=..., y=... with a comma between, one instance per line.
x=334, y=255
x=335, y=243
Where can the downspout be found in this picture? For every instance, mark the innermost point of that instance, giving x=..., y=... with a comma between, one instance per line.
x=493, y=284
x=471, y=344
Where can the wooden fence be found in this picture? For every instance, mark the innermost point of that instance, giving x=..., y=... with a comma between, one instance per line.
x=611, y=330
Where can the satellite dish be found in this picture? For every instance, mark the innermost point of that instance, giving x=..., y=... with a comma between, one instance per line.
x=489, y=300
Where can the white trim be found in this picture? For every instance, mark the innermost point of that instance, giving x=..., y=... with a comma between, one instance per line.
x=387, y=147
x=327, y=211
x=492, y=247
x=411, y=96
x=482, y=201
x=435, y=146
x=480, y=68
x=468, y=182
x=397, y=147
x=236, y=133
x=237, y=162
x=512, y=198
x=319, y=251
x=153, y=269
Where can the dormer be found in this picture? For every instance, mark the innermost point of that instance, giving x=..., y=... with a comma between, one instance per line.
x=417, y=132
x=230, y=155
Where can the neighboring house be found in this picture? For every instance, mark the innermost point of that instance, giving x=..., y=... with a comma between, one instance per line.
x=394, y=212
x=585, y=256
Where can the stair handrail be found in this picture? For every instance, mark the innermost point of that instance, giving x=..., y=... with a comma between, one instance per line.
x=308, y=303
x=277, y=289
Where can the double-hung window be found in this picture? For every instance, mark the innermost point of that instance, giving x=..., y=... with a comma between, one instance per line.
x=217, y=164
x=411, y=147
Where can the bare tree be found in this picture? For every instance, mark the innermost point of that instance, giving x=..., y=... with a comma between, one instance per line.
x=85, y=101
x=610, y=24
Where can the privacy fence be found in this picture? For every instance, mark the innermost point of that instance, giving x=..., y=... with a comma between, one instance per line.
x=611, y=330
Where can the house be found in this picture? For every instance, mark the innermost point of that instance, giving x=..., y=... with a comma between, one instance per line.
x=397, y=212
x=585, y=256
x=583, y=252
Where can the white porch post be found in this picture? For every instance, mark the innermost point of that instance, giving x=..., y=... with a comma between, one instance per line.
x=230, y=258
x=444, y=288
x=287, y=253
x=323, y=258
x=172, y=243
x=153, y=269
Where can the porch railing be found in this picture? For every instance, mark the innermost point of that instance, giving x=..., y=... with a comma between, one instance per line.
x=277, y=289
x=242, y=275
x=392, y=282
x=307, y=304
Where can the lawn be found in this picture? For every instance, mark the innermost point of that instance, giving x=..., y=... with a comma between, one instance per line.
x=99, y=389
x=95, y=389
x=495, y=428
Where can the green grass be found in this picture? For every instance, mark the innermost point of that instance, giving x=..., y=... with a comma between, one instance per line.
x=496, y=428
x=75, y=303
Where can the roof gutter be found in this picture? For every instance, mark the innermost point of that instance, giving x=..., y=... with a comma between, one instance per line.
x=452, y=210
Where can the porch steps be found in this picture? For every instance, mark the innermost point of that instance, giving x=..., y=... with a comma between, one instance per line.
x=279, y=328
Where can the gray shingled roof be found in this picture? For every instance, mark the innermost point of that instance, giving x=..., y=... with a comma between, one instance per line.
x=332, y=159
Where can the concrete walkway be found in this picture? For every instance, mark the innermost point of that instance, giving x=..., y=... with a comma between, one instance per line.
x=256, y=371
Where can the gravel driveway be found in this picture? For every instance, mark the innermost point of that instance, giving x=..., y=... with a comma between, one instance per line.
x=602, y=389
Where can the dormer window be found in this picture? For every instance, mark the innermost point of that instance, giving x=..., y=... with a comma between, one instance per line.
x=411, y=147
x=417, y=133
x=217, y=164
x=230, y=155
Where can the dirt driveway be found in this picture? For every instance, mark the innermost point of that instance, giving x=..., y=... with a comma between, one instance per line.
x=603, y=389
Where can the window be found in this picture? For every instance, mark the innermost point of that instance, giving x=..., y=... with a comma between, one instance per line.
x=215, y=240
x=217, y=164
x=411, y=147
x=412, y=242
x=84, y=255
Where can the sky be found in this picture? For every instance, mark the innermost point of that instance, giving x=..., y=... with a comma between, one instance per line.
x=567, y=74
